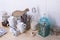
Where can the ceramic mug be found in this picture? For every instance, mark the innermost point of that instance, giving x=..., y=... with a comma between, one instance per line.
x=21, y=26
x=14, y=31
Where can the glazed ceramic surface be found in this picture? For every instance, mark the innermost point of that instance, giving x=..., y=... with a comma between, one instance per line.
x=12, y=21
x=21, y=26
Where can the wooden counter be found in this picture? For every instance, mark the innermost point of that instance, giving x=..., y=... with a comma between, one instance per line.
x=26, y=36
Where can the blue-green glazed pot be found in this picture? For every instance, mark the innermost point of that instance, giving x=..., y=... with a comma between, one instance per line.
x=44, y=28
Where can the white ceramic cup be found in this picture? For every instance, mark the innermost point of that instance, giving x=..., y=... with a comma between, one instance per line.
x=21, y=26
x=14, y=31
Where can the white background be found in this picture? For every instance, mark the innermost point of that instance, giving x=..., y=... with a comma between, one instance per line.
x=51, y=7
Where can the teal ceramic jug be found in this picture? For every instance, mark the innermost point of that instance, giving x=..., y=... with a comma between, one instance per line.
x=44, y=28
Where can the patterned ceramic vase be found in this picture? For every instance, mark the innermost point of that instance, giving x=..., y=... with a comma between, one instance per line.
x=44, y=28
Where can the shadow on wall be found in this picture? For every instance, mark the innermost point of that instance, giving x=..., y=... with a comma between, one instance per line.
x=52, y=21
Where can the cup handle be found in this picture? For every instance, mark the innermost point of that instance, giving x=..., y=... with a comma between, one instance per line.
x=24, y=25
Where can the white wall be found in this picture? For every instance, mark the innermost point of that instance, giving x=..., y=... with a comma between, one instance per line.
x=51, y=7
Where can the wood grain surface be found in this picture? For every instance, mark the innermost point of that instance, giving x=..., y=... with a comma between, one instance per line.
x=26, y=36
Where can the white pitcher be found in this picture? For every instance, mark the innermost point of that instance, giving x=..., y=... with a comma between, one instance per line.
x=12, y=21
x=21, y=26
